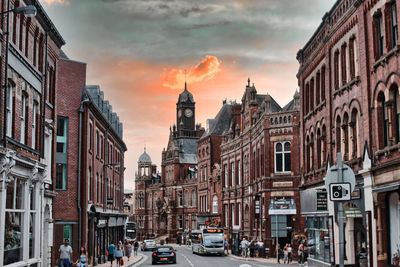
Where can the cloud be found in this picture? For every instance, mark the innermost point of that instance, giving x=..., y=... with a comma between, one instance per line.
x=61, y=2
x=203, y=71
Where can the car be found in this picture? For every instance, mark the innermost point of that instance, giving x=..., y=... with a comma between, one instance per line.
x=163, y=254
x=148, y=245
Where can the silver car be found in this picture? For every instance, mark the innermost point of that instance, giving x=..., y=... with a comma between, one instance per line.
x=148, y=245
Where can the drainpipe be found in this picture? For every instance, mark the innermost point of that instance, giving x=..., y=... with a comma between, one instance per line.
x=80, y=111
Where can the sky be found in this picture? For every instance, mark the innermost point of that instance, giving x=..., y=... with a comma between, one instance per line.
x=138, y=51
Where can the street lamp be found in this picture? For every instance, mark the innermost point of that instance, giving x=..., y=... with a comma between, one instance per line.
x=29, y=11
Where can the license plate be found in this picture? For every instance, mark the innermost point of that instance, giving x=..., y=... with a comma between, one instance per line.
x=164, y=259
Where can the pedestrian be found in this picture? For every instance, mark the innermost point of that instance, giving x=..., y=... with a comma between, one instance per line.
x=111, y=252
x=243, y=245
x=167, y=240
x=290, y=256
x=252, y=248
x=118, y=255
x=82, y=260
x=285, y=255
x=226, y=247
x=301, y=254
x=260, y=245
x=135, y=247
x=278, y=252
x=65, y=254
x=127, y=249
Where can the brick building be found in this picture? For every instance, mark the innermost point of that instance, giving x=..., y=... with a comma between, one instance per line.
x=349, y=79
x=27, y=121
x=259, y=170
x=209, y=187
x=89, y=176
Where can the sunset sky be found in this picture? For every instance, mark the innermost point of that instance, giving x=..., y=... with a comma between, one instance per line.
x=138, y=51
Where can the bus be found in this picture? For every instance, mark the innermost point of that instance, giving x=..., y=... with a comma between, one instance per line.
x=208, y=241
x=130, y=231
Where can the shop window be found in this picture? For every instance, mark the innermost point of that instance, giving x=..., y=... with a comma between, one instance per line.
x=394, y=217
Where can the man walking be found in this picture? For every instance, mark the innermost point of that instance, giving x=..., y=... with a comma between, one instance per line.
x=65, y=254
x=244, y=245
x=135, y=247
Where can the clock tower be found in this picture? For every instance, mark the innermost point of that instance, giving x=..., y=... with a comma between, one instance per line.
x=185, y=113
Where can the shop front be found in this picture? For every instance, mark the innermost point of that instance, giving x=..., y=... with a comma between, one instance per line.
x=318, y=227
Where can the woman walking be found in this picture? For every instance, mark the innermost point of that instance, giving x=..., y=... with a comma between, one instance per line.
x=118, y=254
x=128, y=249
x=82, y=261
x=111, y=252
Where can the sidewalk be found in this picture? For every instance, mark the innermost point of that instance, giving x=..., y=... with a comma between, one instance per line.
x=127, y=263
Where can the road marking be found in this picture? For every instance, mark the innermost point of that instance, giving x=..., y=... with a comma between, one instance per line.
x=191, y=264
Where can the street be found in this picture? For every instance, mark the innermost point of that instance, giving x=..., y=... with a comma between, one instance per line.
x=185, y=258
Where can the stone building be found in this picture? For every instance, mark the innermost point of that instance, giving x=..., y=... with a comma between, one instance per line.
x=259, y=170
x=348, y=80
x=28, y=135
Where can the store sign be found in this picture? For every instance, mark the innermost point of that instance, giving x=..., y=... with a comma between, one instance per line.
x=352, y=212
x=322, y=201
x=102, y=223
x=257, y=207
x=282, y=206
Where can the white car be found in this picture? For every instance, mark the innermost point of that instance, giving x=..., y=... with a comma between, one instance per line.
x=148, y=245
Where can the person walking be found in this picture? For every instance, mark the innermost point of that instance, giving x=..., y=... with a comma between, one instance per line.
x=111, y=252
x=118, y=255
x=135, y=247
x=244, y=245
x=290, y=256
x=285, y=254
x=167, y=240
x=226, y=247
x=127, y=249
x=65, y=254
x=301, y=254
x=82, y=260
x=278, y=252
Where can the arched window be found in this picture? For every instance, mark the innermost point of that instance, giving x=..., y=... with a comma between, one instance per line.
x=352, y=58
x=308, y=154
x=338, y=131
x=381, y=123
x=319, y=149
x=345, y=128
x=393, y=110
x=312, y=152
x=323, y=149
x=141, y=200
x=246, y=217
x=354, y=134
x=215, y=204
x=323, y=83
x=336, y=69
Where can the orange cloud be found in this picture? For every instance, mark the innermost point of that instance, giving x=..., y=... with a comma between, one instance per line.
x=49, y=2
x=203, y=71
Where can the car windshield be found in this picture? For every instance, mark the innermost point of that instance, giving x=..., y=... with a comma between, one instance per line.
x=150, y=241
x=164, y=249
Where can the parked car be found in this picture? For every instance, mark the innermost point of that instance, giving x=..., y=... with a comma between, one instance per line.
x=163, y=254
x=148, y=245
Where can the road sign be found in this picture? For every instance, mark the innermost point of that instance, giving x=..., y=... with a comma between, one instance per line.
x=346, y=177
x=340, y=191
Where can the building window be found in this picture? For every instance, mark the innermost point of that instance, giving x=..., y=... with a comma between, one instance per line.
x=215, y=204
x=394, y=31
x=239, y=173
x=89, y=182
x=97, y=143
x=318, y=89
x=282, y=157
x=90, y=136
x=232, y=173
x=233, y=214
x=194, y=224
x=239, y=217
x=226, y=212
x=24, y=119
x=378, y=36
x=345, y=129
x=194, y=198
x=354, y=134
x=101, y=147
x=186, y=198
x=311, y=94
x=34, y=124
x=343, y=61
x=319, y=148
x=336, y=69
x=307, y=98
x=323, y=83
x=61, y=176
x=226, y=175
x=180, y=221
x=352, y=58
x=180, y=200
x=338, y=135
x=141, y=222
x=10, y=110
x=141, y=200
x=67, y=233
x=62, y=133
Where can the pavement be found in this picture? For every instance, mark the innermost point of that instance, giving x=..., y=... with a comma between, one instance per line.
x=132, y=261
x=185, y=258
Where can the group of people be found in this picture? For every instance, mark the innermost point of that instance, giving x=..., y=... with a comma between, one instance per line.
x=286, y=252
x=117, y=252
x=252, y=248
x=114, y=252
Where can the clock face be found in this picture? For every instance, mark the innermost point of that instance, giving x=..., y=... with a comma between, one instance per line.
x=188, y=113
x=179, y=113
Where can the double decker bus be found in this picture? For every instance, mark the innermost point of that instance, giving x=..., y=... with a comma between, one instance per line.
x=130, y=231
x=208, y=241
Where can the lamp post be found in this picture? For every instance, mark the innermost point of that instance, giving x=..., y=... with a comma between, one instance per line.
x=29, y=11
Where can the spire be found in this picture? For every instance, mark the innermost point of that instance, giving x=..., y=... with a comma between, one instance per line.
x=248, y=82
x=185, y=82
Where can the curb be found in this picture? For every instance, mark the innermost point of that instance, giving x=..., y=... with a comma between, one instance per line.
x=138, y=260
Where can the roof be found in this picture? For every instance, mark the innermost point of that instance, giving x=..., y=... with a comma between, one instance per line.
x=187, y=150
x=144, y=158
x=289, y=106
x=275, y=107
x=222, y=121
x=185, y=96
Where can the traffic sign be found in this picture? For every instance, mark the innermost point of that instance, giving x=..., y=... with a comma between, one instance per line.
x=340, y=191
x=346, y=176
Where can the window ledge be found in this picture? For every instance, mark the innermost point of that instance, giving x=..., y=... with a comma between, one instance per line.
x=20, y=145
x=384, y=59
x=347, y=87
x=387, y=151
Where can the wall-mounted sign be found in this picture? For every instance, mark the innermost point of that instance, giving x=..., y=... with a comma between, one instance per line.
x=257, y=207
x=322, y=201
x=282, y=205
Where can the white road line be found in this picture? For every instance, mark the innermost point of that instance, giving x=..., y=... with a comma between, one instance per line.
x=191, y=264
